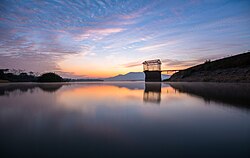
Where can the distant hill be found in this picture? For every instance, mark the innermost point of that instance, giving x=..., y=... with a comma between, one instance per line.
x=231, y=69
x=131, y=76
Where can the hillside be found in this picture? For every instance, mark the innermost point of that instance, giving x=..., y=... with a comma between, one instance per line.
x=231, y=69
x=131, y=76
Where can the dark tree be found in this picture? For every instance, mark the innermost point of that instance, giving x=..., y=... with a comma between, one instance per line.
x=2, y=73
x=50, y=77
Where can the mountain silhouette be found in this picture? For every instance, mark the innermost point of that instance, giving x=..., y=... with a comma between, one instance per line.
x=132, y=76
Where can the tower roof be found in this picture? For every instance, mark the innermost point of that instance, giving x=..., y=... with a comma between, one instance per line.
x=152, y=62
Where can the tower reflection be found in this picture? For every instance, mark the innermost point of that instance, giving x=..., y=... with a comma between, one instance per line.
x=152, y=93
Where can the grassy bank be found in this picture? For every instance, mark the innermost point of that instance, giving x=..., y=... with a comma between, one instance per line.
x=231, y=69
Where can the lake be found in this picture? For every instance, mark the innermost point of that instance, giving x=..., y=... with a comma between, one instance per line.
x=125, y=119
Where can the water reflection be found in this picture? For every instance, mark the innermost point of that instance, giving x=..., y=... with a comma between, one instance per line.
x=116, y=119
x=236, y=95
x=6, y=89
x=152, y=92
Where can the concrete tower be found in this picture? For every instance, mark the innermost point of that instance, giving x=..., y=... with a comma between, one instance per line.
x=152, y=70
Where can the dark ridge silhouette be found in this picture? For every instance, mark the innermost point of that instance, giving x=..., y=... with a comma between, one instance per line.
x=5, y=75
x=236, y=95
x=13, y=75
x=231, y=69
x=50, y=77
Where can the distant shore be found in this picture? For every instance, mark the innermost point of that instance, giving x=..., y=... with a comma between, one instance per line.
x=4, y=81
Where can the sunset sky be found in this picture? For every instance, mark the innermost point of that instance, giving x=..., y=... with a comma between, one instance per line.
x=103, y=38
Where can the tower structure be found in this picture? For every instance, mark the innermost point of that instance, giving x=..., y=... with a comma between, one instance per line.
x=152, y=70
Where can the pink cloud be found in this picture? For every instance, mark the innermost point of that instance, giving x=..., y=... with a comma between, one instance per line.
x=133, y=64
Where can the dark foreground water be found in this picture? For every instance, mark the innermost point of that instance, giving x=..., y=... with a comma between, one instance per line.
x=125, y=119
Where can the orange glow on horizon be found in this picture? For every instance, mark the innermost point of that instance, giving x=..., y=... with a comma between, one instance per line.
x=84, y=67
x=101, y=73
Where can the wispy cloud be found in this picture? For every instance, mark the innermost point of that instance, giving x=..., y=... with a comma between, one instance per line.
x=157, y=46
x=170, y=63
x=152, y=47
x=132, y=64
x=40, y=34
x=99, y=33
x=70, y=74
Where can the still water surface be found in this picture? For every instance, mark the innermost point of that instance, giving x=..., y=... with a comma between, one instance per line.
x=125, y=119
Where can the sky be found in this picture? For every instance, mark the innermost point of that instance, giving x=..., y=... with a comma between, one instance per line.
x=103, y=38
